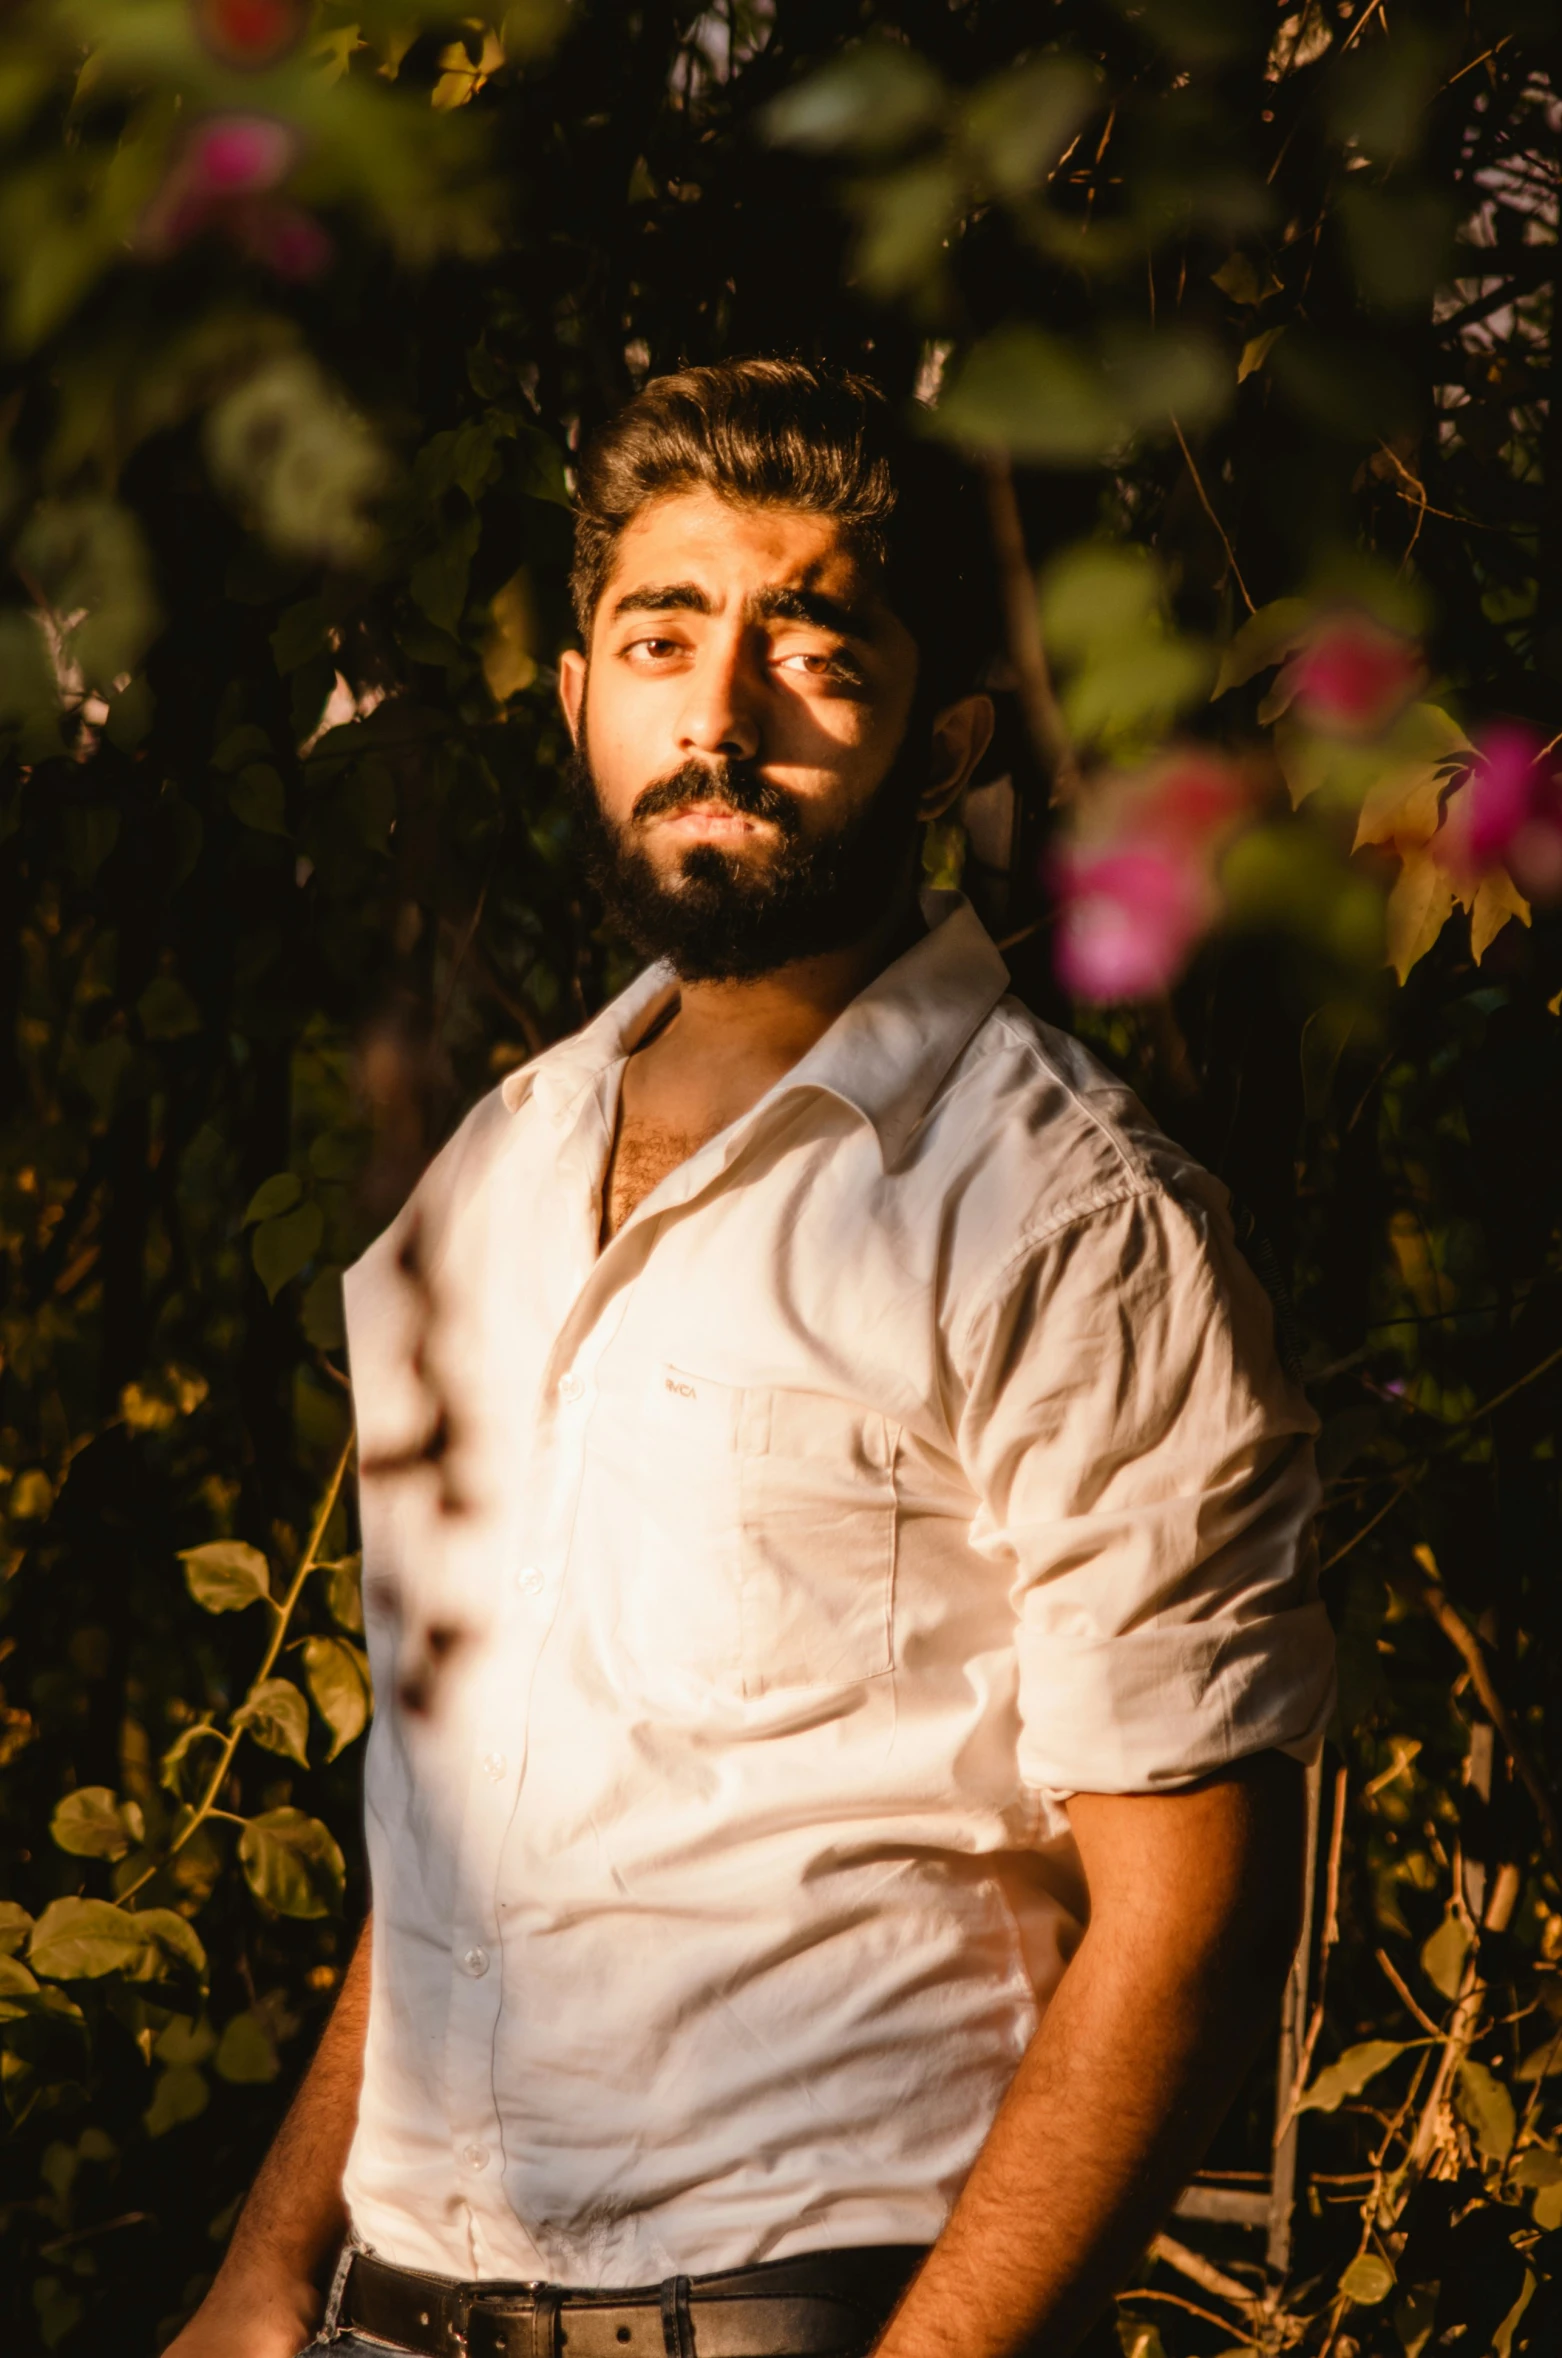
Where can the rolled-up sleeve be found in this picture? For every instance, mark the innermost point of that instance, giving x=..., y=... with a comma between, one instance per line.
x=1145, y=1467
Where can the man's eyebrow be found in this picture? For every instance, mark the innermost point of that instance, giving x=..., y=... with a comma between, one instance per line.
x=811, y=606
x=672, y=597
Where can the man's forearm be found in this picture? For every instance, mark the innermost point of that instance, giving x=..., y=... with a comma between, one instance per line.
x=265, y=2301
x=1136, y=2059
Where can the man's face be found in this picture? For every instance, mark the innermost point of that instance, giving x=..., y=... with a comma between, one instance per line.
x=741, y=726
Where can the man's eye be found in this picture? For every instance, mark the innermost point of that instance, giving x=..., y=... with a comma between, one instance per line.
x=818, y=665
x=653, y=649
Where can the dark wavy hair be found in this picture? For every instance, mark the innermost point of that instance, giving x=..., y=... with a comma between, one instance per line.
x=781, y=434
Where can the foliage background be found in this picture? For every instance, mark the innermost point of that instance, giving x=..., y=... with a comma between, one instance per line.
x=304, y=309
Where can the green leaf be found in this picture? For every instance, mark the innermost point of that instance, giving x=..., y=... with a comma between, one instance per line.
x=188, y=2039
x=225, y=1575
x=277, y=1716
x=903, y=221
x=1541, y=2063
x=16, y=1985
x=181, y=2095
x=201, y=1731
x=437, y=582
x=1015, y=127
x=82, y=1939
x=167, y=1010
x=274, y=1196
x=88, y=1824
x=338, y=1676
x=1032, y=393
x=280, y=1248
x=869, y=102
x=1486, y=2109
x=293, y=1863
x=1351, y=2073
x=1537, y=2165
x=1443, y=1956
x=16, y=1924
x=344, y=1592
x=258, y=799
x=1265, y=639
x=1368, y=2279
x=243, y=744
x=90, y=559
x=173, y=1952
x=321, y=1316
x=1095, y=595
x=246, y=2055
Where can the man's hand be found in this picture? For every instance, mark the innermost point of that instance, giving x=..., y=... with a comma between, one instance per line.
x=250, y=2318
x=266, y=2301
x=1194, y=1901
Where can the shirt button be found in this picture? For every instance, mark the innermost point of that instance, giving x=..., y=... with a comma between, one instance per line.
x=570, y=1386
x=494, y=1765
x=475, y=1962
x=475, y=2157
x=529, y=1581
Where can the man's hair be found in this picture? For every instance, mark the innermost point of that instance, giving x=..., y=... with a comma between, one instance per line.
x=780, y=434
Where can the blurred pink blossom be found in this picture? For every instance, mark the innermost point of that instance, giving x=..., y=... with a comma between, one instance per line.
x=286, y=239
x=1351, y=676
x=224, y=177
x=1509, y=812
x=1129, y=920
x=1136, y=888
x=252, y=32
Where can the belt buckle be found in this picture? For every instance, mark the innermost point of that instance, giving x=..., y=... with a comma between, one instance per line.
x=531, y=2304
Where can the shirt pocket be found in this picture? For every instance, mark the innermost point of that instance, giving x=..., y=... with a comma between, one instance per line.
x=663, y=1515
x=816, y=1553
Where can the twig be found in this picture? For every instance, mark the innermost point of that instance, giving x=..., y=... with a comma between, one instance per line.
x=1330, y=1938
x=1361, y=24
x=1403, y=1990
x=1201, y=2272
x=1502, y=1398
x=1038, y=698
x=1370, y=1524
x=281, y=1615
x=1148, y=2292
x=1457, y=2042
x=1425, y=1590
x=1207, y=505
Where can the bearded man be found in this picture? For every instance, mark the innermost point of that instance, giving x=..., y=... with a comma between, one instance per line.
x=834, y=1805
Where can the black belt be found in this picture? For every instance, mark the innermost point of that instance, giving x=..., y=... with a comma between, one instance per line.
x=819, y=2305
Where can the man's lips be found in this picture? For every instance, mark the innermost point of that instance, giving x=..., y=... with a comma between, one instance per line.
x=709, y=818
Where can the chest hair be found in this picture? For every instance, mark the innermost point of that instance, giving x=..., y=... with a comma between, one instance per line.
x=643, y=1154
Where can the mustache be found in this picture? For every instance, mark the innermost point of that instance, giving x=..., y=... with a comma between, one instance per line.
x=738, y=784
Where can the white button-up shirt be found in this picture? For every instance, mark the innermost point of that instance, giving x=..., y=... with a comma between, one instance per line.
x=915, y=1456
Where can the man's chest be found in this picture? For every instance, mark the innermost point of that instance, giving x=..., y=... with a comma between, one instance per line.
x=646, y=1150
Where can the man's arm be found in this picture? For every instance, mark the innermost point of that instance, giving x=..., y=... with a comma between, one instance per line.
x=266, y=2300
x=1194, y=1901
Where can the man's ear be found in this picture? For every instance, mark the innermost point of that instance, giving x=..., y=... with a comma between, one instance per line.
x=572, y=690
x=961, y=735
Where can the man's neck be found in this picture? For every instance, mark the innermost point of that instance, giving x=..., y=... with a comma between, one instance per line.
x=728, y=1042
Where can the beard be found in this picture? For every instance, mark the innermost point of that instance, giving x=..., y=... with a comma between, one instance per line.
x=723, y=916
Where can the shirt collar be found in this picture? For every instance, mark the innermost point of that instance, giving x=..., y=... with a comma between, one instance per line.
x=885, y=1055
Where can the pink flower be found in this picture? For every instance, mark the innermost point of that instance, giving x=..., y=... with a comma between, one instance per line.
x=224, y=177
x=252, y=32
x=288, y=240
x=1128, y=921
x=1351, y=677
x=1509, y=811
x=236, y=155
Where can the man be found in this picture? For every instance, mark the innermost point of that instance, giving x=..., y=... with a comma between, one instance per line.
x=830, y=1819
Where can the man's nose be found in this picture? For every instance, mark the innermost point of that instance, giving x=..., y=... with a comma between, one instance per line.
x=720, y=715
